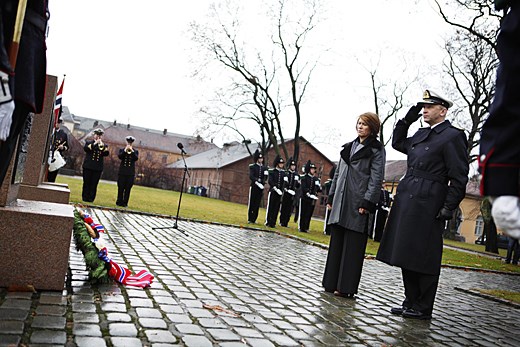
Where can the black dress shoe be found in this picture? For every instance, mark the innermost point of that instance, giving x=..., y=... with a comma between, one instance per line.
x=344, y=295
x=414, y=314
x=329, y=290
x=398, y=310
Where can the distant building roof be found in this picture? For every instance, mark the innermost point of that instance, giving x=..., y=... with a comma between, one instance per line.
x=215, y=158
x=395, y=169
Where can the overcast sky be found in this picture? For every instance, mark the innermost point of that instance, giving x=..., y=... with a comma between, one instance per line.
x=130, y=61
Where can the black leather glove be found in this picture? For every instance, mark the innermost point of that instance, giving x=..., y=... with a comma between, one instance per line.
x=413, y=114
x=444, y=214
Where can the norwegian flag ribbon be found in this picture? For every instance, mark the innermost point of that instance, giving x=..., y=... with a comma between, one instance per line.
x=57, y=104
x=121, y=274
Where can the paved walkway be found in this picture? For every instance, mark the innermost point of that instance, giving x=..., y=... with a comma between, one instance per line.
x=222, y=286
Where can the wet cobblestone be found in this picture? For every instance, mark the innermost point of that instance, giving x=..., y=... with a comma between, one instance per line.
x=225, y=286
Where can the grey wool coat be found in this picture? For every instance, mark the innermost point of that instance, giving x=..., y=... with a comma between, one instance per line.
x=357, y=183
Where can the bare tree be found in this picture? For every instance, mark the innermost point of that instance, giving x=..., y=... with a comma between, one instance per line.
x=260, y=92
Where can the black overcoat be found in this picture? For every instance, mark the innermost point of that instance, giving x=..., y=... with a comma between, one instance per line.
x=436, y=177
x=94, y=155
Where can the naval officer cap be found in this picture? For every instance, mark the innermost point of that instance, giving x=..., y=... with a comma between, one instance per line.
x=130, y=139
x=98, y=131
x=432, y=98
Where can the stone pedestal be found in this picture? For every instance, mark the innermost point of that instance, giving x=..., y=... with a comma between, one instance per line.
x=33, y=186
x=34, y=244
x=35, y=235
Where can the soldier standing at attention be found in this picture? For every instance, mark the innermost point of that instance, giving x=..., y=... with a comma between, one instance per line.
x=291, y=186
x=60, y=144
x=277, y=180
x=257, y=174
x=310, y=188
x=427, y=196
x=96, y=151
x=126, y=174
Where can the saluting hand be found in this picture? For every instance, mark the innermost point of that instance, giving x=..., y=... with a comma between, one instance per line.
x=413, y=114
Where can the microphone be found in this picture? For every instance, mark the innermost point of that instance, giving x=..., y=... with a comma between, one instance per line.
x=181, y=147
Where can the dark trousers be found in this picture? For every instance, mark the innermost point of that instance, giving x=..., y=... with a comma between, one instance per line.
x=381, y=217
x=51, y=175
x=255, y=197
x=273, y=206
x=7, y=147
x=344, y=260
x=306, y=210
x=124, y=185
x=420, y=290
x=90, y=183
x=513, y=251
x=286, y=209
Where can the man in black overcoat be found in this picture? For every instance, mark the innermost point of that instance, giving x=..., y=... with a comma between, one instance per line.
x=277, y=181
x=23, y=87
x=291, y=186
x=426, y=197
x=257, y=175
x=95, y=153
x=126, y=175
x=310, y=187
x=499, y=158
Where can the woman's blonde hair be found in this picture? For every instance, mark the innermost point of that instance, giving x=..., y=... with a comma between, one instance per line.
x=372, y=121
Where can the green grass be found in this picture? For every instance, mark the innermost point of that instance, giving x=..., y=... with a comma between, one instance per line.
x=473, y=247
x=503, y=294
x=201, y=208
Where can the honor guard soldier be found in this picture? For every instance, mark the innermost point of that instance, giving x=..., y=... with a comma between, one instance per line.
x=326, y=186
x=310, y=188
x=60, y=144
x=277, y=181
x=257, y=174
x=125, y=180
x=426, y=197
x=291, y=186
x=96, y=151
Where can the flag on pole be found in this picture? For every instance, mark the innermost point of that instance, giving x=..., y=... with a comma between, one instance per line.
x=57, y=104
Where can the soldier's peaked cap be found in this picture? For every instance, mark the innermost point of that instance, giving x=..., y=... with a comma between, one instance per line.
x=278, y=160
x=257, y=155
x=309, y=166
x=98, y=131
x=130, y=138
x=291, y=161
x=432, y=98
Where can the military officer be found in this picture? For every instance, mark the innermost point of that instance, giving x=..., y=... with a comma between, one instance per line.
x=291, y=186
x=277, y=180
x=257, y=175
x=310, y=187
x=427, y=196
x=96, y=151
x=60, y=144
x=125, y=180
x=327, y=185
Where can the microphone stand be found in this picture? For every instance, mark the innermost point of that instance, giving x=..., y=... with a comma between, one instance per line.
x=175, y=224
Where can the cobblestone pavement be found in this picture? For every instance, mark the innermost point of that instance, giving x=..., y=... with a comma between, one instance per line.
x=224, y=286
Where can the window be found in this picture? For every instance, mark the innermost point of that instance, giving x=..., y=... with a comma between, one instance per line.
x=164, y=159
x=148, y=156
x=479, y=226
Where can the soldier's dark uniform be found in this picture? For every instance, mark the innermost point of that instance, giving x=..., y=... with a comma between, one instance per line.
x=291, y=186
x=383, y=207
x=310, y=187
x=326, y=188
x=257, y=175
x=92, y=167
x=126, y=174
x=435, y=182
x=60, y=138
x=27, y=81
x=277, y=181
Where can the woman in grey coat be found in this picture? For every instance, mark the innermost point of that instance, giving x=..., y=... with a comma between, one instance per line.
x=353, y=195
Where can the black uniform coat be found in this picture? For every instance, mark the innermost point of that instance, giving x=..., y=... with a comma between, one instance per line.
x=500, y=142
x=356, y=183
x=94, y=156
x=60, y=138
x=127, y=166
x=412, y=238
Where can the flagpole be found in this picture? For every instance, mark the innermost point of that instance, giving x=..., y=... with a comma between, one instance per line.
x=17, y=35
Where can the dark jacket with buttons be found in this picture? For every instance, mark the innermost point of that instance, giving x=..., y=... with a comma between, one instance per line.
x=310, y=186
x=60, y=138
x=436, y=178
x=257, y=173
x=276, y=179
x=127, y=166
x=94, y=156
